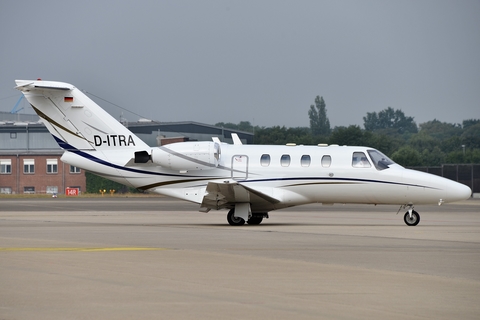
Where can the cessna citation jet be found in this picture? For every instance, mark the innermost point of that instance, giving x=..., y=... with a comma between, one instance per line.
x=248, y=180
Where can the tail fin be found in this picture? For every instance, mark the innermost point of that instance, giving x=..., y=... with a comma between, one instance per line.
x=75, y=121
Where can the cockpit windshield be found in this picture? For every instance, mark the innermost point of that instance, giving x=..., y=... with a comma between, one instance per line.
x=380, y=160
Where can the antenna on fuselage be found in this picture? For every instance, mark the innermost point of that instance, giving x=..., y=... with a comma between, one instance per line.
x=236, y=139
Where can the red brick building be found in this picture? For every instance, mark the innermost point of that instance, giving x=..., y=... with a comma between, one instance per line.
x=39, y=173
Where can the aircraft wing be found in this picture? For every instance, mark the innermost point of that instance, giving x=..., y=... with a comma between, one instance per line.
x=226, y=195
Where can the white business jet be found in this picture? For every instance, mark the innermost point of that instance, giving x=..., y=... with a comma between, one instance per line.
x=248, y=180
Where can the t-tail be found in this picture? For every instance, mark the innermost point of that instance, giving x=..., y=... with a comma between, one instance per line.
x=75, y=121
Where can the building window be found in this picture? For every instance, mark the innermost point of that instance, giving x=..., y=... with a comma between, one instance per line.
x=6, y=166
x=74, y=169
x=28, y=189
x=52, y=189
x=326, y=161
x=359, y=160
x=285, y=160
x=265, y=160
x=305, y=161
x=5, y=190
x=52, y=166
x=13, y=135
x=28, y=166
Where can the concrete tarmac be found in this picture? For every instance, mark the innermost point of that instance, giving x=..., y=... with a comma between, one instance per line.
x=158, y=258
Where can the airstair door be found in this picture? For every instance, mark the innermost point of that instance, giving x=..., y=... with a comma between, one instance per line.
x=240, y=167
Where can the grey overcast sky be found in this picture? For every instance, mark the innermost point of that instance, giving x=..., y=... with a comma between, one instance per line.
x=259, y=61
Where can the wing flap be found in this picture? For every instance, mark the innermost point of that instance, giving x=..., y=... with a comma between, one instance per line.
x=226, y=195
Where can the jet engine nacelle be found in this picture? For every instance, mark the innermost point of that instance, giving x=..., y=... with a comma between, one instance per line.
x=185, y=156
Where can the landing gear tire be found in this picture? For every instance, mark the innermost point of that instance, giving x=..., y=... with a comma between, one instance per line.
x=255, y=220
x=234, y=221
x=413, y=220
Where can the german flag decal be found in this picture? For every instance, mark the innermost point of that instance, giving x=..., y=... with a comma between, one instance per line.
x=68, y=99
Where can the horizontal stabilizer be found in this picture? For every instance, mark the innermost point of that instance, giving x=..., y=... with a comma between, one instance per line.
x=27, y=85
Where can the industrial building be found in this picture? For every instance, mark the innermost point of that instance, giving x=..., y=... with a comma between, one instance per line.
x=30, y=157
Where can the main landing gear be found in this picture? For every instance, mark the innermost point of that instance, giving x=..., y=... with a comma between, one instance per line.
x=411, y=217
x=234, y=221
x=255, y=219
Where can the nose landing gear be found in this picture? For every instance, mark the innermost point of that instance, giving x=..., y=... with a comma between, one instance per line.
x=411, y=218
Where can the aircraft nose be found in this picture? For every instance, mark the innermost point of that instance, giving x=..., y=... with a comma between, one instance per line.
x=457, y=191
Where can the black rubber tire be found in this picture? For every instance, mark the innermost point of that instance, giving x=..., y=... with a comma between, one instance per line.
x=255, y=220
x=234, y=221
x=413, y=221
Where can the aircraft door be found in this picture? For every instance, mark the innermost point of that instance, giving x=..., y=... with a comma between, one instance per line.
x=239, y=167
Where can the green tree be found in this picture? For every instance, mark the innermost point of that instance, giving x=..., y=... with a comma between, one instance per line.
x=387, y=144
x=96, y=183
x=475, y=156
x=371, y=122
x=245, y=126
x=319, y=123
x=440, y=130
x=423, y=141
x=470, y=122
x=352, y=136
x=271, y=135
x=407, y=156
x=282, y=135
x=434, y=157
x=390, y=119
x=455, y=157
x=471, y=136
x=451, y=144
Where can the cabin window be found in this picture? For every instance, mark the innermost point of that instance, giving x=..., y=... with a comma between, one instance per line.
x=265, y=160
x=326, y=161
x=359, y=160
x=305, y=161
x=285, y=160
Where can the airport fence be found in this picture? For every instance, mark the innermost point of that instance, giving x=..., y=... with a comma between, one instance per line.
x=468, y=174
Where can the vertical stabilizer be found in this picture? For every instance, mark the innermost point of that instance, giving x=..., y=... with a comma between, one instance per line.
x=75, y=121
